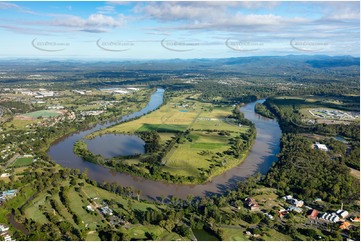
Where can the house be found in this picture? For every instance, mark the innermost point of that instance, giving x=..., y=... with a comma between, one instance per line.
x=3, y=228
x=294, y=208
x=106, y=210
x=331, y=217
x=90, y=208
x=356, y=219
x=288, y=197
x=344, y=225
x=322, y=147
x=312, y=214
x=282, y=213
x=269, y=216
x=293, y=201
x=7, y=194
x=342, y=213
x=251, y=203
x=46, y=93
x=297, y=203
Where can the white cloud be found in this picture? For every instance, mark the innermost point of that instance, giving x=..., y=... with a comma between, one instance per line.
x=6, y=6
x=106, y=9
x=94, y=20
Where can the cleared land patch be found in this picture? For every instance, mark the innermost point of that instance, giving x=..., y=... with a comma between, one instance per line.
x=23, y=161
x=42, y=113
x=198, y=143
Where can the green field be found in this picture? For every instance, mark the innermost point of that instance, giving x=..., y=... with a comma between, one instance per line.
x=78, y=200
x=168, y=118
x=163, y=127
x=23, y=161
x=42, y=113
x=19, y=124
x=138, y=232
x=210, y=132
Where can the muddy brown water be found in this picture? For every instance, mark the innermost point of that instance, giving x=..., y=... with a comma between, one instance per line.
x=260, y=158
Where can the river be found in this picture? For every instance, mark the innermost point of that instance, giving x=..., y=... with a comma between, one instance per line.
x=260, y=158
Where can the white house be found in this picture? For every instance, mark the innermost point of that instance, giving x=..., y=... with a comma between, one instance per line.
x=342, y=213
x=321, y=147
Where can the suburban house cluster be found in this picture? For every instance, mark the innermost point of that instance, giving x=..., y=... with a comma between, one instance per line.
x=4, y=233
x=106, y=211
x=340, y=216
x=5, y=195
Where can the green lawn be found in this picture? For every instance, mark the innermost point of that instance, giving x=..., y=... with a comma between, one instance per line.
x=24, y=161
x=78, y=206
x=163, y=127
x=33, y=211
x=234, y=234
x=18, y=123
x=137, y=232
x=185, y=159
x=92, y=192
x=42, y=113
x=207, y=146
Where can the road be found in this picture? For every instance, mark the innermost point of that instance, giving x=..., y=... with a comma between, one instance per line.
x=11, y=160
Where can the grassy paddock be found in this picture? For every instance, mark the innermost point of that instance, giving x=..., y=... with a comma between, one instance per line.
x=42, y=113
x=24, y=161
x=211, y=130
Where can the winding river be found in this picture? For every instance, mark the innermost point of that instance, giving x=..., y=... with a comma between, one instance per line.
x=260, y=158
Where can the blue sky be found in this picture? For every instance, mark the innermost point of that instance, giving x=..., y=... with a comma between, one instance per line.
x=163, y=30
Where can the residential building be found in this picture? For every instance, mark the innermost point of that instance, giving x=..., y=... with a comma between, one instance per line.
x=251, y=204
x=312, y=214
x=322, y=147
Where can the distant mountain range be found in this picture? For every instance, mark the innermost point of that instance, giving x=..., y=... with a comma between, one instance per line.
x=247, y=65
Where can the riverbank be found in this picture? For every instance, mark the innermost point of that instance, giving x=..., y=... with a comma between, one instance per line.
x=260, y=158
x=180, y=147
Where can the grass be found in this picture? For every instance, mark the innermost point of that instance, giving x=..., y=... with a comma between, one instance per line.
x=276, y=236
x=167, y=118
x=88, y=107
x=33, y=211
x=234, y=234
x=77, y=205
x=19, y=124
x=92, y=236
x=355, y=173
x=163, y=127
x=137, y=232
x=24, y=161
x=42, y=113
x=186, y=159
x=207, y=146
x=197, y=149
x=64, y=211
x=92, y=192
x=165, y=137
x=17, y=201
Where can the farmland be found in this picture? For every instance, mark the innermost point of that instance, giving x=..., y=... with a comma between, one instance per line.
x=197, y=139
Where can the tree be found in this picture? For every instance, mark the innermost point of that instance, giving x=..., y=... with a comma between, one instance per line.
x=138, y=193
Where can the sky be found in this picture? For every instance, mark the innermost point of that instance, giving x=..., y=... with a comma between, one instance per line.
x=167, y=30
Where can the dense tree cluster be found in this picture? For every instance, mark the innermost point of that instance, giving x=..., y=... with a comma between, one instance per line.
x=311, y=173
x=262, y=110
